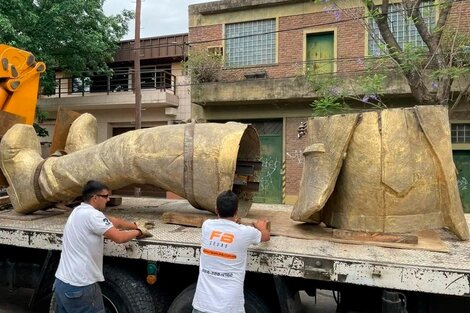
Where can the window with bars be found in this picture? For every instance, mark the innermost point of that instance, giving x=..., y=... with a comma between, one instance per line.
x=460, y=133
x=402, y=28
x=267, y=127
x=250, y=43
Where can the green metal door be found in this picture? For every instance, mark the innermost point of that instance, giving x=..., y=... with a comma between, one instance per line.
x=320, y=52
x=270, y=190
x=462, y=162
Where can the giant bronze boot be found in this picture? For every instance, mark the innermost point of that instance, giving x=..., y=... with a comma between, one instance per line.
x=384, y=171
x=195, y=161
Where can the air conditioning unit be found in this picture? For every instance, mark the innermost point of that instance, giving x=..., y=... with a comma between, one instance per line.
x=216, y=50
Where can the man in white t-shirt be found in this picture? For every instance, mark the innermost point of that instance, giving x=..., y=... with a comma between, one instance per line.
x=76, y=287
x=224, y=245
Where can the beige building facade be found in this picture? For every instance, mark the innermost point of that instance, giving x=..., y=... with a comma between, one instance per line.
x=165, y=89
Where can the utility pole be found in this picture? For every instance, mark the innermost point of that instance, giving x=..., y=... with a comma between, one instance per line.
x=137, y=89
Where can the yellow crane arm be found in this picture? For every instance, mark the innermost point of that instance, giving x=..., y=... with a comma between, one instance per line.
x=19, y=82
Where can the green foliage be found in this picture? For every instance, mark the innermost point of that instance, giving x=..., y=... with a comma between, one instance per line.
x=40, y=117
x=371, y=83
x=334, y=91
x=203, y=67
x=328, y=105
x=41, y=132
x=413, y=58
x=75, y=36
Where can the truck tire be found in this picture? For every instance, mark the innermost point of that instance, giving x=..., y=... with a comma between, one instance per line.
x=122, y=293
x=183, y=302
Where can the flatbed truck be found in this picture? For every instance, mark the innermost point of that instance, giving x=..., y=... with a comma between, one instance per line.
x=364, y=278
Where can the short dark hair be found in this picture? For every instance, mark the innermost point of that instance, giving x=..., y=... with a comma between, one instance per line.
x=227, y=204
x=91, y=188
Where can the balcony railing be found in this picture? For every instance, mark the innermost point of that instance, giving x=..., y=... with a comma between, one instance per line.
x=118, y=82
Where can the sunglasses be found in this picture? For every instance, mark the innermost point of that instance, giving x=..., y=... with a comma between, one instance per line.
x=103, y=196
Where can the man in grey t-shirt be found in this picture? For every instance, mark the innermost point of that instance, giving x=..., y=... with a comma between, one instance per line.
x=80, y=268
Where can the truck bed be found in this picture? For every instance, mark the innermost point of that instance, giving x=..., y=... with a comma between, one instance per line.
x=403, y=269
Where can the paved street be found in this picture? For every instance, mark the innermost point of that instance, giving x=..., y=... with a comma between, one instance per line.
x=17, y=301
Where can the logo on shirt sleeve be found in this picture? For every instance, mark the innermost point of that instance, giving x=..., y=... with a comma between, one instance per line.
x=106, y=221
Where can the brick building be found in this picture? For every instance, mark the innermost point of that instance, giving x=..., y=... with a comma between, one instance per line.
x=266, y=47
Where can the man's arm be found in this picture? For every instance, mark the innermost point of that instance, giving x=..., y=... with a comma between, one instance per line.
x=262, y=226
x=120, y=223
x=121, y=236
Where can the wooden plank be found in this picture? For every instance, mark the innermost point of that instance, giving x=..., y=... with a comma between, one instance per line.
x=185, y=219
x=4, y=200
x=245, y=170
x=114, y=201
x=367, y=236
x=257, y=165
x=3, y=180
x=196, y=220
x=282, y=225
x=252, y=186
x=7, y=120
x=63, y=122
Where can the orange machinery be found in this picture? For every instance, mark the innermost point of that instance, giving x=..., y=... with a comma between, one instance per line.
x=19, y=82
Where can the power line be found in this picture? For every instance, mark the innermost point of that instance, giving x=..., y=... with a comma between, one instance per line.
x=358, y=59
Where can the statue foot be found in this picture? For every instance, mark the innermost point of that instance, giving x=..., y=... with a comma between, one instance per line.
x=19, y=157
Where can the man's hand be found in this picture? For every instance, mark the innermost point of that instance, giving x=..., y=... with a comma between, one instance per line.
x=144, y=226
x=262, y=224
x=264, y=227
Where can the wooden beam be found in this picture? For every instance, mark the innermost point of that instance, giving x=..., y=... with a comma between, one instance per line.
x=4, y=200
x=185, y=219
x=196, y=220
x=114, y=201
x=380, y=237
x=257, y=165
x=63, y=122
x=7, y=120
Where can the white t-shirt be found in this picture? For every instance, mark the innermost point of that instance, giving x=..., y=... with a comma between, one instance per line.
x=222, y=267
x=81, y=260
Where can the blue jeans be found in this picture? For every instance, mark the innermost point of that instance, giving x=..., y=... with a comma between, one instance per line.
x=73, y=299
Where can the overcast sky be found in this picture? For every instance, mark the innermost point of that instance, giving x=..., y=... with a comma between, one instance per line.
x=159, y=17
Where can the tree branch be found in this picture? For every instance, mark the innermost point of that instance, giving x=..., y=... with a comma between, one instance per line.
x=443, y=15
x=461, y=94
x=387, y=35
x=417, y=86
x=412, y=11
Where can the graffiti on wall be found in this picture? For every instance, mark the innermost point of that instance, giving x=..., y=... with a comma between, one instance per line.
x=271, y=169
x=296, y=155
x=462, y=182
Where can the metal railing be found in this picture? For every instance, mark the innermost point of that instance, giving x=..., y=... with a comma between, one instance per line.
x=117, y=82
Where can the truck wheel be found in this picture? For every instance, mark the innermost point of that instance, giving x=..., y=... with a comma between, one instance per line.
x=122, y=293
x=183, y=302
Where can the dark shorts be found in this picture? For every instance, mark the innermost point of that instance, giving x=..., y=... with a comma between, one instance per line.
x=73, y=299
